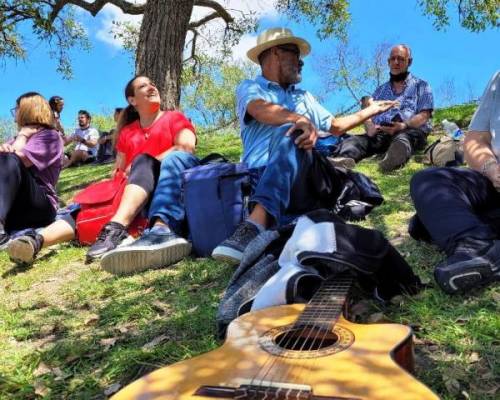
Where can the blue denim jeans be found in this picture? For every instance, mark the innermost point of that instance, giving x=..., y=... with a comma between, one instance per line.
x=282, y=188
x=166, y=203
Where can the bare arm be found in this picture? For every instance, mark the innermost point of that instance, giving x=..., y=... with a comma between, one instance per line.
x=343, y=124
x=480, y=156
x=119, y=163
x=185, y=140
x=274, y=114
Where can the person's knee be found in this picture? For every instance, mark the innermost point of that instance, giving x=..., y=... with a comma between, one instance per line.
x=427, y=180
x=9, y=162
x=178, y=159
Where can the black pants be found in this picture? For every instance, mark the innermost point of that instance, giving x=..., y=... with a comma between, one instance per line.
x=453, y=204
x=23, y=201
x=359, y=147
x=144, y=172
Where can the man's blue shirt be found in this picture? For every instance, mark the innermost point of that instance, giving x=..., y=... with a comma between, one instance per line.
x=416, y=97
x=256, y=135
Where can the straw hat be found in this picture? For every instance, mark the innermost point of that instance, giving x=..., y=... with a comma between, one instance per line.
x=274, y=37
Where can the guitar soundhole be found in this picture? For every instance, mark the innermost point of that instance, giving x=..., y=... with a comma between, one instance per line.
x=306, y=339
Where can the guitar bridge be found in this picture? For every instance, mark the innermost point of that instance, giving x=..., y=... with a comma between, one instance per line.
x=263, y=392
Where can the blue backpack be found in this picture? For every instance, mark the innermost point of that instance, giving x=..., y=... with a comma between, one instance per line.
x=215, y=200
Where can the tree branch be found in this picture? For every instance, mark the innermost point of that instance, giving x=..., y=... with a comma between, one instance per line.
x=204, y=20
x=96, y=6
x=218, y=8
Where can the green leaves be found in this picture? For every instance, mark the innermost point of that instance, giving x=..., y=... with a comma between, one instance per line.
x=474, y=15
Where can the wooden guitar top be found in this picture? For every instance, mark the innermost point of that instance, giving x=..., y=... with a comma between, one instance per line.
x=360, y=365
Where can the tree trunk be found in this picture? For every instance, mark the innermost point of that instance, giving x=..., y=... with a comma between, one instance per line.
x=161, y=44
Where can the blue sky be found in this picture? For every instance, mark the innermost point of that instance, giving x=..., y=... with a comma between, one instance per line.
x=100, y=74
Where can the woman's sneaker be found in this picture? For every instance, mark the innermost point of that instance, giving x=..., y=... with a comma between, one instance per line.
x=23, y=249
x=111, y=236
x=158, y=247
x=473, y=263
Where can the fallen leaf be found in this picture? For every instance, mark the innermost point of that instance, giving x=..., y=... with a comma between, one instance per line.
x=462, y=320
x=160, y=306
x=377, y=317
x=465, y=394
x=42, y=369
x=192, y=309
x=112, y=389
x=108, y=342
x=360, y=309
x=157, y=340
x=41, y=389
x=397, y=300
x=452, y=385
x=473, y=357
x=91, y=320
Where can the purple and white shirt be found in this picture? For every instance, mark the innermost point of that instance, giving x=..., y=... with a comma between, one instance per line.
x=415, y=97
x=45, y=151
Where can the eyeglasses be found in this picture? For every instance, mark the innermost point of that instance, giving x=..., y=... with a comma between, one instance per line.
x=13, y=111
x=399, y=59
x=290, y=49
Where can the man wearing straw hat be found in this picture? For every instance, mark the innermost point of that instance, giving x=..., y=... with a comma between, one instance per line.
x=279, y=126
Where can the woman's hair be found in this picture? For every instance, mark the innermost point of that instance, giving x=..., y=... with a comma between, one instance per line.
x=129, y=114
x=54, y=101
x=33, y=109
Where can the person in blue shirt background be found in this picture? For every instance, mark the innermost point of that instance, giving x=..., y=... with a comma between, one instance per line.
x=402, y=130
x=279, y=127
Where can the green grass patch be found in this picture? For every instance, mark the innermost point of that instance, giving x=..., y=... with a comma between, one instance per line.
x=71, y=330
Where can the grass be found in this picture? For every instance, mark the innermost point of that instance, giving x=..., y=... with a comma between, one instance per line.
x=71, y=330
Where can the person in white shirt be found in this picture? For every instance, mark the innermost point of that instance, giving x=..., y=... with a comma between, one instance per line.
x=85, y=138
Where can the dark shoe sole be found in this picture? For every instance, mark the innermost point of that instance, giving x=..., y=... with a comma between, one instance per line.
x=464, y=276
x=131, y=259
x=396, y=157
x=21, y=252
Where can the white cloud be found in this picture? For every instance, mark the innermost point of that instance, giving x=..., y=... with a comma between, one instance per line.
x=262, y=8
x=107, y=15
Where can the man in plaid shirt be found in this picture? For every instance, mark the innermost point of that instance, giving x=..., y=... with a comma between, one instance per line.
x=399, y=131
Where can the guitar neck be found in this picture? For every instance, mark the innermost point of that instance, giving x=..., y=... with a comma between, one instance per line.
x=327, y=304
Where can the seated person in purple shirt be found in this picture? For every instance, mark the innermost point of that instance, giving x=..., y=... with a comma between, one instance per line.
x=398, y=132
x=29, y=168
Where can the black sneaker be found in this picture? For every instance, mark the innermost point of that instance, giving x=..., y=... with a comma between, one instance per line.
x=473, y=263
x=396, y=156
x=23, y=249
x=158, y=247
x=111, y=235
x=231, y=250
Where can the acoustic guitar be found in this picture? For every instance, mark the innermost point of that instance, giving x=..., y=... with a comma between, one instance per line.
x=298, y=351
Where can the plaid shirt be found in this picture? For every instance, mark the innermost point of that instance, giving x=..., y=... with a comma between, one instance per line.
x=415, y=97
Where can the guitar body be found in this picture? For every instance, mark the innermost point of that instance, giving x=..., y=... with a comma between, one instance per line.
x=356, y=362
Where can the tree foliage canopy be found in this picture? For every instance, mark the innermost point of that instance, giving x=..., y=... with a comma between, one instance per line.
x=56, y=22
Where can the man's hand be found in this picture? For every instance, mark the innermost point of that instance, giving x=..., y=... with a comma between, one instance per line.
x=492, y=172
x=307, y=139
x=394, y=128
x=7, y=148
x=379, y=106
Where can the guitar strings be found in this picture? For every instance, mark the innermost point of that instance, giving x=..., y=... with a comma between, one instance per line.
x=341, y=290
x=307, y=327
x=337, y=288
x=284, y=342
